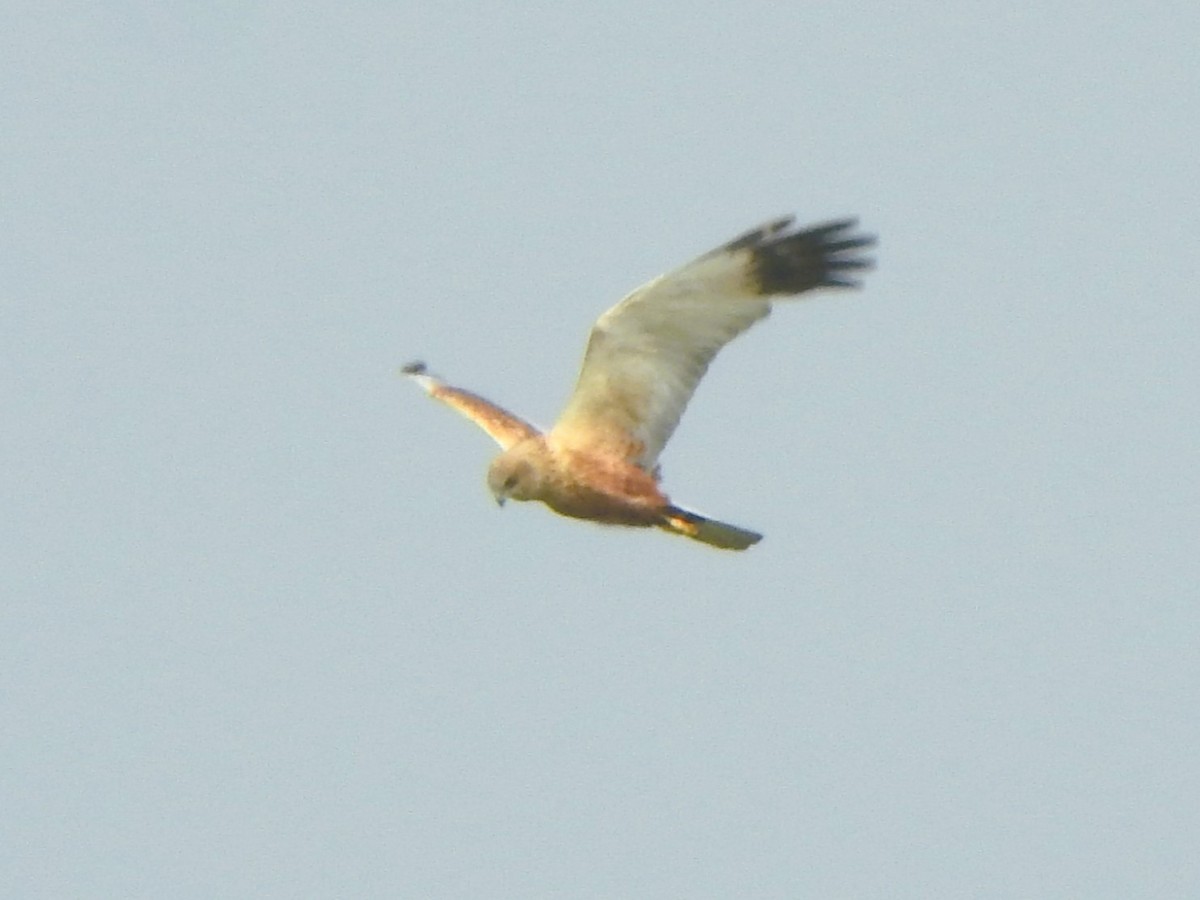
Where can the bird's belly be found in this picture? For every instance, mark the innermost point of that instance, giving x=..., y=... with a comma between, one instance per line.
x=597, y=506
x=600, y=488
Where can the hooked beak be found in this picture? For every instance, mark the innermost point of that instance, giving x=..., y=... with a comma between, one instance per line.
x=499, y=498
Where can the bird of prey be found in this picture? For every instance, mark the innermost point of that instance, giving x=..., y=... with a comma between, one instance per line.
x=643, y=361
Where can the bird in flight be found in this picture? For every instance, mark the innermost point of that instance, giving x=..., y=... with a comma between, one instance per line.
x=643, y=361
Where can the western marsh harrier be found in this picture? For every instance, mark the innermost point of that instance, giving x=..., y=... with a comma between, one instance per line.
x=644, y=359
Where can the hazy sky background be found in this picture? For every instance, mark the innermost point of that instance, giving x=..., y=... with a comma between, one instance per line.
x=264, y=632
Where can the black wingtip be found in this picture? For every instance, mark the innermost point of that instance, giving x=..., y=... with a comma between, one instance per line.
x=820, y=256
x=756, y=237
x=416, y=367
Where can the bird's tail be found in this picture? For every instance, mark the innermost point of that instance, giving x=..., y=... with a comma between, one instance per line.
x=708, y=531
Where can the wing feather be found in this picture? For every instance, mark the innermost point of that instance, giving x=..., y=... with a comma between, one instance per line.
x=646, y=355
x=503, y=427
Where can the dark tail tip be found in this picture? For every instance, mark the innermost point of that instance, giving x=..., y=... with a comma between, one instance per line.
x=708, y=531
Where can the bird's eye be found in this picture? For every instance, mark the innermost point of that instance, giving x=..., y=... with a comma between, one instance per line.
x=510, y=482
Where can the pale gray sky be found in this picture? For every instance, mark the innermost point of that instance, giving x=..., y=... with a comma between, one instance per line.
x=264, y=633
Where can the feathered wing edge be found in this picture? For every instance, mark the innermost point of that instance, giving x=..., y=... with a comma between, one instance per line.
x=501, y=425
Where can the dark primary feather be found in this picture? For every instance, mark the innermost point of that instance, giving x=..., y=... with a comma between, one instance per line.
x=787, y=262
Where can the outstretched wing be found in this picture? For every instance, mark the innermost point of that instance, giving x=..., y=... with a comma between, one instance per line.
x=646, y=355
x=504, y=428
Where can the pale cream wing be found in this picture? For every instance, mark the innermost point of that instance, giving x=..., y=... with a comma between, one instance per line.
x=646, y=355
x=503, y=427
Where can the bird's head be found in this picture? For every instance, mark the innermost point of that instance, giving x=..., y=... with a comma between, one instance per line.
x=513, y=475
